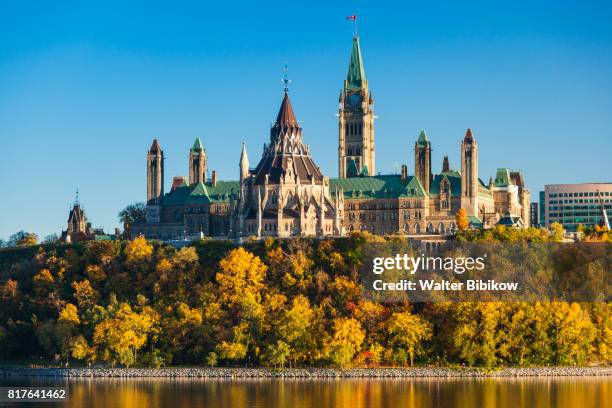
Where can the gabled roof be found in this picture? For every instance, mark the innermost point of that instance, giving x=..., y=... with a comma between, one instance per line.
x=453, y=177
x=356, y=73
x=510, y=221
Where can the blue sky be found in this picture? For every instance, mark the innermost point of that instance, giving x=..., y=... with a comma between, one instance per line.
x=85, y=89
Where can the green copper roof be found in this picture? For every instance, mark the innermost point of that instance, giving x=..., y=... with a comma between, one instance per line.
x=352, y=170
x=356, y=73
x=197, y=145
x=423, y=140
x=384, y=186
x=502, y=177
x=364, y=171
x=202, y=193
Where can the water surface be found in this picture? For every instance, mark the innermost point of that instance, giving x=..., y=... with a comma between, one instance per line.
x=561, y=392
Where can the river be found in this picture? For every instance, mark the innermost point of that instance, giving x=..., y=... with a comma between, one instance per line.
x=558, y=392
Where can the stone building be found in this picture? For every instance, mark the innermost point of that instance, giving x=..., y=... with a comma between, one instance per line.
x=286, y=194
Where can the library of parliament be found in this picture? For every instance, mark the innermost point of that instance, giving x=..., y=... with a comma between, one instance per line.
x=286, y=194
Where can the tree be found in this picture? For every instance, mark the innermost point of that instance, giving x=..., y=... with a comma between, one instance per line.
x=278, y=353
x=346, y=341
x=138, y=250
x=294, y=327
x=132, y=214
x=48, y=239
x=409, y=331
x=241, y=272
x=22, y=238
x=461, y=220
x=85, y=295
x=557, y=232
x=122, y=334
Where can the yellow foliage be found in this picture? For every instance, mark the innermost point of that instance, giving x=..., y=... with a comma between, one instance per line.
x=138, y=249
x=44, y=276
x=69, y=314
x=461, y=220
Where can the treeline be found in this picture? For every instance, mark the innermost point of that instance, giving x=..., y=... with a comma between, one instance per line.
x=291, y=302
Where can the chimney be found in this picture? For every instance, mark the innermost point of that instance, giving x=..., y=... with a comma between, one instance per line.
x=445, y=165
x=404, y=172
x=213, y=178
x=178, y=181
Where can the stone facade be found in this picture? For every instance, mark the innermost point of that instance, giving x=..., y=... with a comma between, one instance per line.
x=286, y=194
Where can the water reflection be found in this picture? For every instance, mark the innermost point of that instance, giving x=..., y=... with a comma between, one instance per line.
x=348, y=393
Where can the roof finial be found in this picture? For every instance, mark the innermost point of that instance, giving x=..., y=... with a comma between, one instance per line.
x=76, y=201
x=286, y=79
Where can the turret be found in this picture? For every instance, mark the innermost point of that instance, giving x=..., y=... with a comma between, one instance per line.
x=155, y=174
x=469, y=174
x=422, y=160
x=197, y=163
x=244, y=163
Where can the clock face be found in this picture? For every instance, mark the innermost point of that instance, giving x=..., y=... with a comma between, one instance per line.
x=354, y=101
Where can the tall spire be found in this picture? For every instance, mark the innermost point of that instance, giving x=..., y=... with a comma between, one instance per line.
x=285, y=116
x=244, y=159
x=356, y=73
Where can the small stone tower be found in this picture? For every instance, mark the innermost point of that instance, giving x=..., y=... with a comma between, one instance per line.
x=469, y=174
x=445, y=165
x=422, y=160
x=197, y=163
x=244, y=164
x=356, y=120
x=155, y=174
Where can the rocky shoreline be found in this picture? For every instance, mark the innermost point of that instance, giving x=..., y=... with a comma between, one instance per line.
x=305, y=373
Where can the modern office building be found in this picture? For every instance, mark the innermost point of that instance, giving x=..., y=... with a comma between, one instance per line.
x=575, y=204
x=534, y=215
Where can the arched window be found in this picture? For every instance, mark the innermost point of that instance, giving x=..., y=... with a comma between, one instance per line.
x=406, y=229
x=430, y=228
x=417, y=228
x=441, y=228
x=452, y=227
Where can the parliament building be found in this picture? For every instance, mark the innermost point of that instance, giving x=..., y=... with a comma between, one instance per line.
x=286, y=194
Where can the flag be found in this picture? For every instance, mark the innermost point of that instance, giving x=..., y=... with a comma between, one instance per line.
x=352, y=18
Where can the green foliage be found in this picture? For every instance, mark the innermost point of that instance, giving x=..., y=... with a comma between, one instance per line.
x=279, y=302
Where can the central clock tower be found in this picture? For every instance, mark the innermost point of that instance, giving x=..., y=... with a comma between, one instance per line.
x=356, y=121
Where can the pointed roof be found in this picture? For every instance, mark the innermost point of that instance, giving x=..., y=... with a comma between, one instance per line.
x=469, y=137
x=285, y=116
x=197, y=145
x=155, y=147
x=352, y=170
x=356, y=73
x=423, y=140
x=244, y=159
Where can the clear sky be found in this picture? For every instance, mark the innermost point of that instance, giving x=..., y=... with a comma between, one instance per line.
x=85, y=89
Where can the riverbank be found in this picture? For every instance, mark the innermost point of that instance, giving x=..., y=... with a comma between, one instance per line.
x=204, y=372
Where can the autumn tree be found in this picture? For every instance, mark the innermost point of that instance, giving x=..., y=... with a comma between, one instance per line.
x=123, y=333
x=346, y=340
x=461, y=220
x=409, y=331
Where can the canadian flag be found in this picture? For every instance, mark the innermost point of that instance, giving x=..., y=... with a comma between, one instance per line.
x=352, y=18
